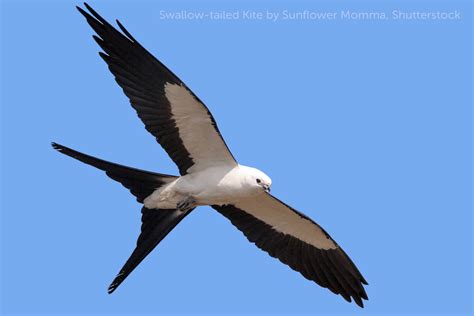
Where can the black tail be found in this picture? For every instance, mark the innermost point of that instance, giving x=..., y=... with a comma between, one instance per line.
x=156, y=223
x=140, y=183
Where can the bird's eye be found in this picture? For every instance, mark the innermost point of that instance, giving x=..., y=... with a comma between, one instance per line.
x=258, y=180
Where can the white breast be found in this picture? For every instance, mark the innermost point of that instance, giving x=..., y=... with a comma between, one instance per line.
x=220, y=185
x=213, y=186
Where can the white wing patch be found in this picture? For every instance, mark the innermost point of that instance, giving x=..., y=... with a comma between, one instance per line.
x=285, y=220
x=197, y=132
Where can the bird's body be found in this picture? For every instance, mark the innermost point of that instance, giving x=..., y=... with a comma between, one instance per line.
x=209, y=174
x=218, y=185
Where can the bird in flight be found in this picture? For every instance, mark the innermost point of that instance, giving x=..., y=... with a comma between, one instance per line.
x=209, y=174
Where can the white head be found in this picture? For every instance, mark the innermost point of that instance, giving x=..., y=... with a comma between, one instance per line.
x=257, y=179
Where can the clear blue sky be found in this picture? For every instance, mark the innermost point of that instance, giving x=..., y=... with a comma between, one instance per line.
x=363, y=125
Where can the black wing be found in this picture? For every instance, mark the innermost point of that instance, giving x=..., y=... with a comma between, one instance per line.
x=171, y=112
x=297, y=241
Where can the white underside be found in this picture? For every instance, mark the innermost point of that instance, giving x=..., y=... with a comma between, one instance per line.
x=213, y=186
x=229, y=185
x=196, y=130
x=216, y=179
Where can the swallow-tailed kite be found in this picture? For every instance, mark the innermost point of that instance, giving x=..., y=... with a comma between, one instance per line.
x=210, y=175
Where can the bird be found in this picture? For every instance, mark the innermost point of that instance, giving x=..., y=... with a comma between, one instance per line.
x=209, y=174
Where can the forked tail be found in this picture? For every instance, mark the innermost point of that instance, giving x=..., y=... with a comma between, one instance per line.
x=156, y=223
x=141, y=183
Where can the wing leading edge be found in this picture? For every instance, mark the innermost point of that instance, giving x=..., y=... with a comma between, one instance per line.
x=298, y=242
x=171, y=112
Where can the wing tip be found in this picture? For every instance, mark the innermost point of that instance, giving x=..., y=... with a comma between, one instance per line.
x=82, y=11
x=360, y=297
x=358, y=301
x=92, y=15
x=92, y=11
x=125, y=31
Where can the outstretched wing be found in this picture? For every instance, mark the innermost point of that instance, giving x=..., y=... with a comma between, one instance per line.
x=171, y=112
x=297, y=241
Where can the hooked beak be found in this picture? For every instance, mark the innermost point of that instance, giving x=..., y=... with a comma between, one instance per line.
x=266, y=187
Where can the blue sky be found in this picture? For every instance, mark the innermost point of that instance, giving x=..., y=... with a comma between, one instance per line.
x=364, y=125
